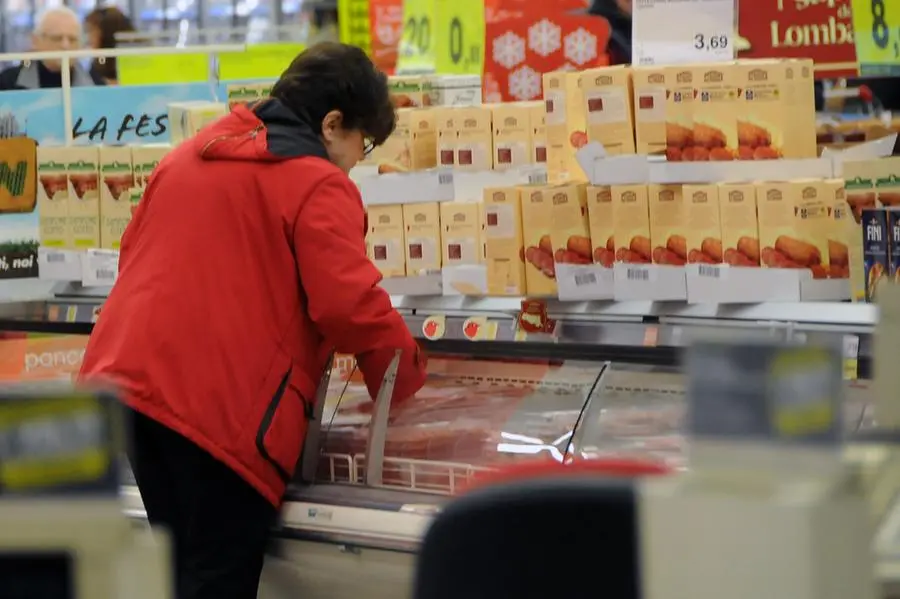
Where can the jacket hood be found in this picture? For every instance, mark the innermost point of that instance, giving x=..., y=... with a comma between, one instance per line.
x=266, y=131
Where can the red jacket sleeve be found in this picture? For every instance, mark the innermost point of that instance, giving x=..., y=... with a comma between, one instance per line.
x=351, y=311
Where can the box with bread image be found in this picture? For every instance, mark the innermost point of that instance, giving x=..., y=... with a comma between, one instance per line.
x=738, y=220
x=601, y=223
x=53, y=197
x=766, y=100
x=116, y=182
x=422, y=237
x=715, y=113
x=649, y=99
x=411, y=147
x=571, y=231
x=794, y=225
x=461, y=239
x=83, y=173
x=631, y=224
x=607, y=102
x=887, y=181
x=512, y=134
x=876, y=250
x=503, y=241
x=679, y=115
x=668, y=224
x=703, y=226
x=410, y=91
x=537, y=227
x=385, y=242
x=474, y=138
x=566, y=125
x=844, y=232
x=859, y=182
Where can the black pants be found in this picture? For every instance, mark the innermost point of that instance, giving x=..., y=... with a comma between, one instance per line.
x=218, y=524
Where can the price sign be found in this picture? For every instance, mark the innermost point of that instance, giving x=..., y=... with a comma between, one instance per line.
x=59, y=265
x=100, y=268
x=353, y=23
x=876, y=26
x=460, y=37
x=417, y=44
x=161, y=68
x=691, y=31
x=259, y=61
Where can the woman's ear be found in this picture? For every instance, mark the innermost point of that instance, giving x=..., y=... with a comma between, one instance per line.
x=331, y=124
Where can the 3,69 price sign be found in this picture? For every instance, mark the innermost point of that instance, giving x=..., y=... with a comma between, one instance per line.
x=684, y=32
x=876, y=24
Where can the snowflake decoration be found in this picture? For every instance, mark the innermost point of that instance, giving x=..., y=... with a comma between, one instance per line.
x=544, y=37
x=508, y=50
x=581, y=46
x=525, y=83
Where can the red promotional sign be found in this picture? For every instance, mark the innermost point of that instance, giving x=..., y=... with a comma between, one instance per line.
x=817, y=29
x=386, y=23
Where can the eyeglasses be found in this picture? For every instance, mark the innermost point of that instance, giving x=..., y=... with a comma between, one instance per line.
x=368, y=145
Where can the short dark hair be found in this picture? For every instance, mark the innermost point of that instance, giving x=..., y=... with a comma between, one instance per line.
x=332, y=76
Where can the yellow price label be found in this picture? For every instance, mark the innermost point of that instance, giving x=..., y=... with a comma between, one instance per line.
x=161, y=69
x=417, y=44
x=353, y=23
x=460, y=31
x=259, y=61
x=876, y=26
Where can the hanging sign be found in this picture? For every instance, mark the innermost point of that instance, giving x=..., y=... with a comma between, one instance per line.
x=417, y=44
x=258, y=61
x=686, y=32
x=460, y=34
x=877, y=27
x=158, y=69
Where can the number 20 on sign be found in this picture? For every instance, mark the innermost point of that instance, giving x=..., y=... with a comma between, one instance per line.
x=877, y=32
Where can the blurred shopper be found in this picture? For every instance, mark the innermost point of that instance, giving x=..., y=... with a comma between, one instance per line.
x=618, y=14
x=244, y=267
x=102, y=25
x=58, y=29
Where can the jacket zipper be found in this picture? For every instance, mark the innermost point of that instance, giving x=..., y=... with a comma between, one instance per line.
x=267, y=422
x=251, y=134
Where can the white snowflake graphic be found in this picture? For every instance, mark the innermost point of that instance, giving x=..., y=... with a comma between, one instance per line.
x=525, y=83
x=544, y=37
x=508, y=50
x=581, y=46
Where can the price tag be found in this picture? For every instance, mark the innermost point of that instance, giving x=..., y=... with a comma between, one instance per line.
x=417, y=44
x=850, y=355
x=160, y=69
x=713, y=271
x=59, y=265
x=259, y=61
x=100, y=268
x=708, y=35
x=460, y=27
x=876, y=27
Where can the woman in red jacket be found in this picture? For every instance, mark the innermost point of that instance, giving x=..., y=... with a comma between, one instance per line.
x=243, y=269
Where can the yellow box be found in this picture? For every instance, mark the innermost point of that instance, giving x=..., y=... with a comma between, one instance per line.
x=844, y=232
x=766, y=109
x=412, y=146
x=793, y=225
x=474, y=141
x=422, y=237
x=145, y=159
x=410, y=91
x=385, y=242
x=600, y=219
x=607, y=96
x=650, y=109
x=886, y=173
x=512, y=134
x=740, y=230
x=461, y=241
x=804, y=123
x=570, y=235
x=679, y=114
x=504, y=251
x=668, y=224
x=83, y=172
x=715, y=112
x=538, y=112
x=53, y=197
x=116, y=181
x=566, y=125
x=703, y=227
x=537, y=225
x=631, y=224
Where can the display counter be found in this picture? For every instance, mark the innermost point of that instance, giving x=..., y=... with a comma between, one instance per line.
x=605, y=383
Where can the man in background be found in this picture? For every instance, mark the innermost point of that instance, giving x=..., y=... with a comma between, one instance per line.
x=58, y=29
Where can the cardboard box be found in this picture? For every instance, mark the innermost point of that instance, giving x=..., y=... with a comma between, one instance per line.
x=385, y=241
x=876, y=257
x=537, y=226
x=886, y=173
x=242, y=93
x=412, y=146
x=566, y=125
x=679, y=115
x=83, y=172
x=893, y=227
x=571, y=230
x=600, y=218
x=766, y=109
x=843, y=232
x=187, y=118
x=607, y=98
x=650, y=110
x=668, y=224
x=715, y=112
x=504, y=245
x=538, y=132
x=455, y=90
x=794, y=224
x=146, y=158
x=803, y=137
x=446, y=126
x=512, y=135
x=703, y=227
x=422, y=238
x=410, y=91
x=461, y=239
x=116, y=183
x=631, y=224
x=474, y=139
x=738, y=218
x=53, y=197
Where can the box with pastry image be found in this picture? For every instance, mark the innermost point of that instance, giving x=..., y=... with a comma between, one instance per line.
x=116, y=182
x=715, y=113
x=82, y=171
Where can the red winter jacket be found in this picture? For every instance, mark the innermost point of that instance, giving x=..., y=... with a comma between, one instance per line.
x=244, y=267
